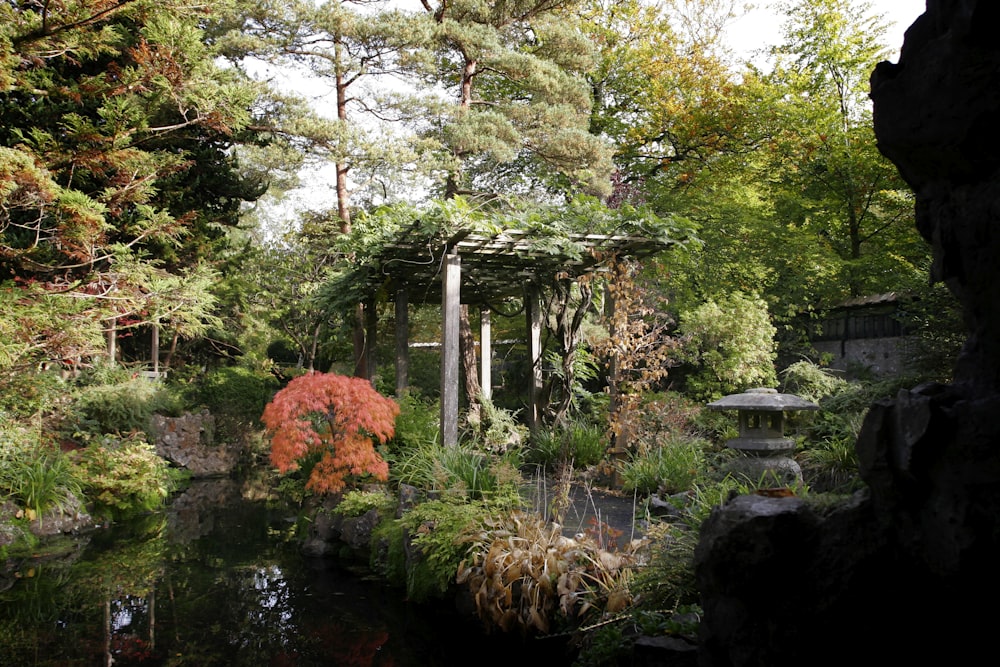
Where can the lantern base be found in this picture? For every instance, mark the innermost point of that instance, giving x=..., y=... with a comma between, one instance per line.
x=765, y=446
x=766, y=470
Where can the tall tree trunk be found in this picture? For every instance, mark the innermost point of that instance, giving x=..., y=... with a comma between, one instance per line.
x=314, y=347
x=569, y=320
x=467, y=350
x=343, y=194
x=467, y=344
x=171, y=350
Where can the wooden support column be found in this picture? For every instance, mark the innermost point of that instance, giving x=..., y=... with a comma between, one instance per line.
x=358, y=336
x=402, y=340
x=485, y=355
x=155, y=349
x=112, y=341
x=450, y=307
x=614, y=375
x=534, y=315
x=371, y=332
x=618, y=448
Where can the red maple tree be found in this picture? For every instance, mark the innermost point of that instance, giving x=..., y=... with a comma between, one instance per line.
x=336, y=415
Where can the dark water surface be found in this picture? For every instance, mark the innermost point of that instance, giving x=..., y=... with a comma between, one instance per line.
x=217, y=580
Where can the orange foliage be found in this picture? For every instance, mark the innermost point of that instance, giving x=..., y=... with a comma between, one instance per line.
x=334, y=414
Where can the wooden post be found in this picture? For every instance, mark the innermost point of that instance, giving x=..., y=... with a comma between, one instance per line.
x=534, y=315
x=371, y=332
x=485, y=355
x=112, y=341
x=358, y=336
x=613, y=365
x=402, y=340
x=619, y=441
x=155, y=349
x=450, y=302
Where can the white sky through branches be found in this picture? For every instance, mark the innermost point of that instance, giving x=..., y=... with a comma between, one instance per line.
x=748, y=37
x=761, y=27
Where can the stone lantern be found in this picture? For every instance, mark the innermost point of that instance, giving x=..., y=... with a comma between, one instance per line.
x=766, y=451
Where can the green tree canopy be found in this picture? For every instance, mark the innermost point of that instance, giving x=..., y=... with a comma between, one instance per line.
x=513, y=115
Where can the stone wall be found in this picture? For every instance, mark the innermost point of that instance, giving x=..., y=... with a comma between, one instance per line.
x=880, y=357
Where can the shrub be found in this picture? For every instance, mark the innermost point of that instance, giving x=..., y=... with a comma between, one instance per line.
x=418, y=423
x=934, y=321
x=358, y=503
x=654, y=418
x=236, y=396
x=337, y=416
x=731, y=346
x=124, y=407
x=828, y=456
x=24, y=395
x=492, y=429
x=440, y=532
x=123, y=474
x=716, y=426
x=809, y=381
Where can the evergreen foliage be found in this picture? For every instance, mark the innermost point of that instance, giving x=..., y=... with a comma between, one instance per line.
x=236, y=396
x=123, y=407
x=116, y=176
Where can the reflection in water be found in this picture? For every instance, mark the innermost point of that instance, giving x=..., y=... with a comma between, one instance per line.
x=215, y=580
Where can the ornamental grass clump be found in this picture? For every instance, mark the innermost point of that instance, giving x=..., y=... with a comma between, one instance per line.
x=38, y=477
x=335, y=417
x=460, y=471
x=669, y=467
x=526, y=576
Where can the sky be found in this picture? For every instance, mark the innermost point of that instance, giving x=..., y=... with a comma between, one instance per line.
x=760, y=28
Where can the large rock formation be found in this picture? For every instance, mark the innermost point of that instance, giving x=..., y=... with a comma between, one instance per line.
x=189, y=442
x=907, y=571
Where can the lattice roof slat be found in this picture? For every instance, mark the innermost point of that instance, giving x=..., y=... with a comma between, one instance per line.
x=498, y=265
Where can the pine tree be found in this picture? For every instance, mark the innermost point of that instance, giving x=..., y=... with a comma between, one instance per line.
x=516, y=118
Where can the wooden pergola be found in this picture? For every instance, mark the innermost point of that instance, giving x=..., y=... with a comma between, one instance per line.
x=479, y=269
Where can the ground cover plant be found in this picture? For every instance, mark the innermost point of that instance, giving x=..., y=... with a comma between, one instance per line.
x=123, y=474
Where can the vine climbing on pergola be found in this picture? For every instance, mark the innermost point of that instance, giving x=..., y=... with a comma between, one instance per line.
x=457, y=256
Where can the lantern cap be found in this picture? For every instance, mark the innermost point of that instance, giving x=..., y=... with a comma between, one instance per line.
x=762, y=399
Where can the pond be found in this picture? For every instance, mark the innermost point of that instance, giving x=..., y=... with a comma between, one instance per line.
x=218, y=580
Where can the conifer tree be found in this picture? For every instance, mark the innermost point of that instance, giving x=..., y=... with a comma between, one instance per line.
x=515, y=115
x=116, y=176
